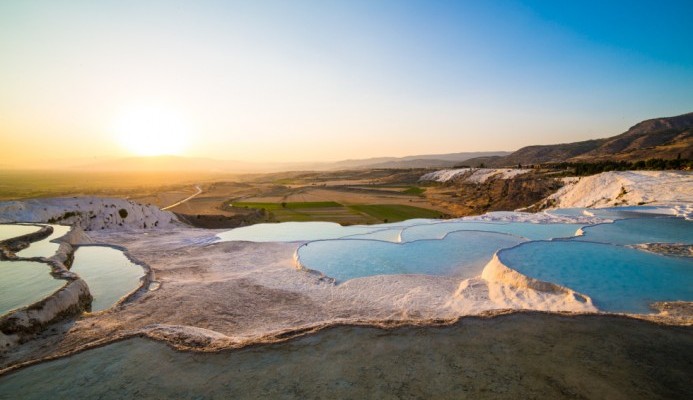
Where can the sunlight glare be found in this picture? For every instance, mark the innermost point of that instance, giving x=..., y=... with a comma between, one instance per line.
x=152, y=131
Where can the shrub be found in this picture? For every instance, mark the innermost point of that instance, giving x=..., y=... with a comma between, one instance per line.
x=123, y=213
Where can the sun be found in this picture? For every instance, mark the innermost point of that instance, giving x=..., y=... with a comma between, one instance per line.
x=149, y=130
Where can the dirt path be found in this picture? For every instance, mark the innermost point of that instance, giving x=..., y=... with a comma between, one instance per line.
x=199, y=191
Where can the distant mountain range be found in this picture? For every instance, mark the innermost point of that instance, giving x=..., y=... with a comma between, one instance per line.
x=194, y=164
x=417, y=161
x=655, y=138
x=665, y=138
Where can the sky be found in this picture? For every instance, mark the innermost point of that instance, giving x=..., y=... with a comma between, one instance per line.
x=329, y=80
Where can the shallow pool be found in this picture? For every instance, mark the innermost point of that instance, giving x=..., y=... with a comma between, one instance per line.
x=9, y=231
x=108, y=273
x=46, y=247
x=513, y=357
x=25, y=282
x=462, y=254
x=614, y=212
x=617, y=278
x=641, y=230
x=305, y=231
x=524, y=229
x=386, y=235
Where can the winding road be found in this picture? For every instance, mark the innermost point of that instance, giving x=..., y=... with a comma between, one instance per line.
x=199, y=190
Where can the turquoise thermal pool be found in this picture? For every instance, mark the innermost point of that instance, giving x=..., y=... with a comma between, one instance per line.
x=306, y=231
x=641, y=230
x=461, y=254
x=527, y=230
x=46, y=247
x=9, y=231
x=406, y=231
x=613, y=212
x=293, y=232
x=617, y=278
x=25, y=282
x=386, y=235
x=109, y=274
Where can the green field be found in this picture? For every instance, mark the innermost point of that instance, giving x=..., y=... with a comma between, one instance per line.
x=395, y=212
x=335, y=212
x=33, y=184
x=290, y=206
x=307, y=211
x=414, y=191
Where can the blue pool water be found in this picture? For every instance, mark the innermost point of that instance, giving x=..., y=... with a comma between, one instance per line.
x=597, y=264
x=613, y=212
x=387, y=235
x=410, y=230
x=303, y=231
x=617, y=278
x=641, y=230
x=292, y=232
x=108, y=273
x=46, y=247
x=24, y=282
x=524, y=229
x=461, y=254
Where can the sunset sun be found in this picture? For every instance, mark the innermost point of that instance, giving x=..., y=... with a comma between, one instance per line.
x=151, y=131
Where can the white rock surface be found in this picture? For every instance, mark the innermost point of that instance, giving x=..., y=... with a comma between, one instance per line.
x=535, y=218
x=472, y=175
x=671, y=189
x=89, y=213
x=515, y=290
x=65, y=300
x=227, y=294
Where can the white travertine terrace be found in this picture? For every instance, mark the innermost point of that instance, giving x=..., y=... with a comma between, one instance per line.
x=228, y=294
x=473, y=175
x=669, y=189
x=90, y=213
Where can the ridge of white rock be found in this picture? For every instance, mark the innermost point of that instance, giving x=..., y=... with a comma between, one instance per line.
x=89, y=213
x=535, y=218
x=514, y=290
x=671, y=189
x=472, y=175
x=70, y=299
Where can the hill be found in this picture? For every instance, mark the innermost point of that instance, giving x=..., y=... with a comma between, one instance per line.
x=665, y=138
x=417, y=161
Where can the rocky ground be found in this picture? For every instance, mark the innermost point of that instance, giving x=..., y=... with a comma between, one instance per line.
x=463, y=197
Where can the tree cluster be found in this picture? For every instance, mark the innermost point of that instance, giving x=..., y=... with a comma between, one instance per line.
x=591, y=168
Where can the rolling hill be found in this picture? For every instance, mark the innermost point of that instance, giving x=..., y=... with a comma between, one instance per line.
x=665, y=138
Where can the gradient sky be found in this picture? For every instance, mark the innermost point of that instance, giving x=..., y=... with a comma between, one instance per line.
x=329, y=80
